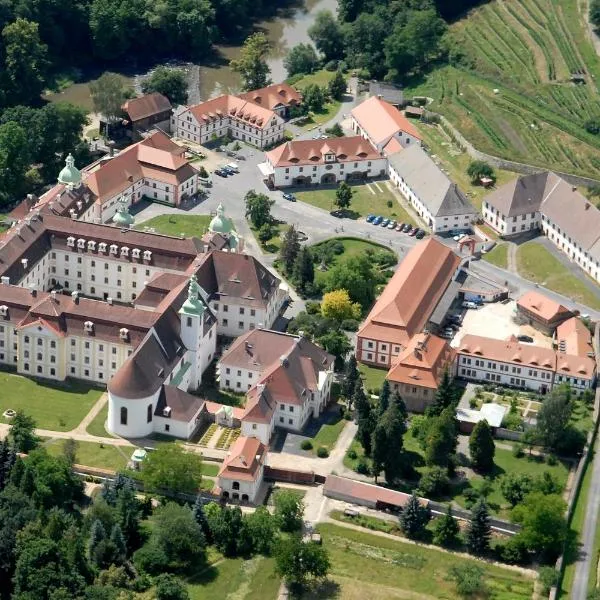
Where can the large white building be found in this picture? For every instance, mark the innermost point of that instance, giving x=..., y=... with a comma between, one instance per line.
x=329, y=161
x=438, y=201
x=239, y=118
x=287, y=379
x=546, y=202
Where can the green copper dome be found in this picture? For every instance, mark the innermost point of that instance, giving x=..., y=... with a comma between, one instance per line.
x=122, y=217
x=221, y=223
x=193, y=305
x=70, y=174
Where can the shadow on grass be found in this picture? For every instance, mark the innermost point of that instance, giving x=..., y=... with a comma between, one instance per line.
x=345, y=214
x=203, y=575
x=321, y=590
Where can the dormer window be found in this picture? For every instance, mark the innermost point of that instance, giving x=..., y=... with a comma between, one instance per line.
x=147, y=255
x=88, y=327
x=329, y=157
x=3, y=310
x=114, y=249
x=124, y=334
x=91, y=245
x=102, y=247
x=135, y=253
x=71, y=241
x=124, y=251
x=81, y=243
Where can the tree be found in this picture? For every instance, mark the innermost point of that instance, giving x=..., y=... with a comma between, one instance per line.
x=384, y=397
x=304, y=270
x=301, y=60
x=290, y=247
x=336, y=131
x=200, y=517
x=543, y=523
x=170, y=467
x=515, y=486
x=108, y=93
x=171, y=83
x=414, y=517
x=441, y=439
x=446, y=530
x=296, y=561
x=351, y=379
x=251, y=64
x=24, y=61
x=364, y=41
x=265, y=233
x=366, y=419
x=343, y=196
x=326, y=34
x=336, y=305
x=482, y=447
x=337, y=86
x=554, y=415
x=228, y=529
x=336, y=343
x=261, y=527
x=178, y=534
x=116, y=537
x=434, y=482
x=22, y=432
x=445, y=395
x=595, y=12
x=479, y=169
x=479, y=531
x=69, y=450
x=15, y=158
x=258, y=208
x=289, y=509
x=313, y=97
x=128, y=512
x=97, y=535
x=355, y=275
x=169, y=587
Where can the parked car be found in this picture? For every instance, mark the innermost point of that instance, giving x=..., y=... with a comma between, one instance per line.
x=221, y=173
x=385, y=222
x=377, y=220
x=289, y=197
x=233, y=166
x=447, y=335
x=228, y=170
x=525, y=338
x=469, y=304
x=420, y=234
x=407, y=228
x=459, y=237
x=370, y=218
x=391, y=224
x=400, y=226
x=413, y=232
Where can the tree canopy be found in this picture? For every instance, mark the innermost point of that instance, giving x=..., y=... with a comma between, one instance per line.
x=170, y=467
x=251, y=64
x=171, y=83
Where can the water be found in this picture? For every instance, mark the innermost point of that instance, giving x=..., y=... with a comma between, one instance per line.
x=285, y=30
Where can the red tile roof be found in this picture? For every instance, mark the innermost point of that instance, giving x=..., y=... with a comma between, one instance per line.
x=412, y=293
x=244, y=460
x=234, y=107
x=312, y=152
x=381, y=120
x=574, y=337
x=542, y=306
x=146, y=106
x=273, y=96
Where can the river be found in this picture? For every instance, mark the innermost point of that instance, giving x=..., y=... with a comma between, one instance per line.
x=284, y=30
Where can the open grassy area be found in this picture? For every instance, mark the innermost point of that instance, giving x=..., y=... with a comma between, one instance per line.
x=54, y=406
x=321, y=78
x=372, y=377
x=512, y=95
x=210, y=469
x=175, y=225
x=371, y=198
x=364, y=565
x=91, y=454
x=273, y=244
x=498, y=256
x=96, y=426
x=536, y=263
x=328, y=434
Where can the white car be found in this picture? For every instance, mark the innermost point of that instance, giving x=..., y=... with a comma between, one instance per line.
x=233, y=166
x=469, y=305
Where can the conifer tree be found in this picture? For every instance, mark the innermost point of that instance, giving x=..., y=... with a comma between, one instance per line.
x=304, y=269
x=384, y=397
x=414, y=517
x=290, y=247
x=351, y=378
x=116, y=537
x=446, y=529
x=479, y=531
x=444, y=396
x=97, y=535
x=200, y=517
x=482, y=447
x=366, y=420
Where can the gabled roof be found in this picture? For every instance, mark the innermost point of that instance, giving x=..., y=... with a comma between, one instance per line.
x=272, y=96
x=146, y=106
x=381, y=120
x=260, y=406
x=543, y=307
x=573, y=337
x=412, y=293
x=244, y=459
x=440, y=195
x=520, y=196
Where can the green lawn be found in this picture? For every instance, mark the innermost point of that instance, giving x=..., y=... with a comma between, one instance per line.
x=328, y=434
x=91, y=454
x=321, y=78
x=96, y=427
x=274, y=243
x=498, y=256
x=536, y=263
x=372, y=377
x=582, y=415
x=367, y=199
x=175, y=225
x=364, y=565
x=210, y=469
x=58, y=407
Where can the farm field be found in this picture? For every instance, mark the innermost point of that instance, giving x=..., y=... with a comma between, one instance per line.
x=512, y=95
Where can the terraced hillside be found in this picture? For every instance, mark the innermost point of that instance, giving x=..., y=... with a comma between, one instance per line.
x=513, y=94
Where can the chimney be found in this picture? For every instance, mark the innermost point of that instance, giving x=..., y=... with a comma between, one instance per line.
x=79, y=204
x=33, y=290
x=73, y=213
x=53, y=295
x=24, y=262
x=205, y=248
x=284, y=361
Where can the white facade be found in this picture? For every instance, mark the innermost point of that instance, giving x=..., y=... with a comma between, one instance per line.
x=237, y=379
x=246, y=490
x=513, y=225
x=405, y=139
x=131, y=418
x=261, y=431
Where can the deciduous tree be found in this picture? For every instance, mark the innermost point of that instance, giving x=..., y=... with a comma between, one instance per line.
x=337, y=86
x=289, y=509
x=479, y=169
x=169, y=587
x=343, y=196
x=290, y=247
x=170, y=467
x=301, y=60
x=515, y=486
x=297, y=561
x=336, y=305
x=22, y=433
x=326, y=33
x=446, y=529
x=251, y=64
x=355, y=275
x=171, y=83
x=258, y=208
x=108, y=93
x=313, y=97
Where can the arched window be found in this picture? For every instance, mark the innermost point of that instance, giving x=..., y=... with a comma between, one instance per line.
x=123, y=416
x=149, y=413
x=236, y=485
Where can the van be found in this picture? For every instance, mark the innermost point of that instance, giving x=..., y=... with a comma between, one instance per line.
x=233, y=166
x=469, y=305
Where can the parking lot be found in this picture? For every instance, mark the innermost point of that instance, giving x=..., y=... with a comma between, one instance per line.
x=495, y=320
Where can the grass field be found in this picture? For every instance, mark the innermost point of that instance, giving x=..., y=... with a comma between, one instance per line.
x=210, y=469
x=364, y=565
x=92, y=454
x=52, y=406
x=372, y=198
x=96, y=427
x=512, y=94
x=536, y=263
x=321, y=78
x=274, y=243
x=372, y=378
x=498, y=256
x=175, y=225
x=328, y=434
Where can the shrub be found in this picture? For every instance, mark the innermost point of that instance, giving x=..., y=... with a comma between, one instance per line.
x=434, y=482
x=517, y=451
x=552, y=460
x=294, y=79
x=513, y=551
x=349, y=325
x=203, y=172
x=313, y=308
x=471, y=497
x=362, y=467
x=548, y=578
x=151, y=558
x=331, y=65
x=351, y=454
x=389, y=204
x=468, y=578
x=306, y=445
x=322, y=452
x=473, y=403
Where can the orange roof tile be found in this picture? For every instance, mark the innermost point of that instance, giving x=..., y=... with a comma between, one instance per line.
x=542, y=306
x=573, y=337
x=146, y=106
x=239, y=108
x=244, y=459
x=272, y=96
